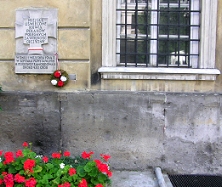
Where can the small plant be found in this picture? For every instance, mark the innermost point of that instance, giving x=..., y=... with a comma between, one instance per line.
x=25, y=168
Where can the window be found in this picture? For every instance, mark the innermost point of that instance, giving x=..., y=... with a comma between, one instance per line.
x=159, y=39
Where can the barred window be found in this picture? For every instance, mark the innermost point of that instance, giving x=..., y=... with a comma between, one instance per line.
x=159, y=33
x=159, y=39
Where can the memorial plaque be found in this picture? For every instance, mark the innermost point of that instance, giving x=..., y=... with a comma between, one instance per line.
x=35, y=31
x=35, y=63
x=36, y=41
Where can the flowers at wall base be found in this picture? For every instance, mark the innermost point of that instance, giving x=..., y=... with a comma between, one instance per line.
x=24, y=168
x=59, y=78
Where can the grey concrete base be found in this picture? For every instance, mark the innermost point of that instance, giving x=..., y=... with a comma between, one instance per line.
x=147, y=178
x=181, y=133
x=134, y=179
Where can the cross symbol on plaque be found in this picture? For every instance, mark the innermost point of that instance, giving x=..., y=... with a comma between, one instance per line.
x=35, y=31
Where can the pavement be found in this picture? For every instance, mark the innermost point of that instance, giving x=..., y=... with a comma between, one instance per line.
x=148, y=178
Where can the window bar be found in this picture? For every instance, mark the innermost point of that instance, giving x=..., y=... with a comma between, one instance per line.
x=187, y=58
x=118, y=31
x=153, y=34
x=178, y=33
x=194, y=31
x=168, y=35
x=157, y=26
x=126, y=54
x=136, y=33
x=147, y=33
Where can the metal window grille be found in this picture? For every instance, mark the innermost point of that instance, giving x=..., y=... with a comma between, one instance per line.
x=158, y=33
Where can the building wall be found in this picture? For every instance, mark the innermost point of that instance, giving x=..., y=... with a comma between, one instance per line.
x=73, y=45
x=172, y=124
x=80, y=52
x=180, y=132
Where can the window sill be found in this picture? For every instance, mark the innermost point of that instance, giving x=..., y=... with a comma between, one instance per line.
x=158, y=73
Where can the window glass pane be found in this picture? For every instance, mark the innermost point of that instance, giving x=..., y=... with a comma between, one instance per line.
x=155, y=32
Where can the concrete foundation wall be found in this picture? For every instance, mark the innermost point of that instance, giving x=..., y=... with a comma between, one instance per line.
x=180, y=132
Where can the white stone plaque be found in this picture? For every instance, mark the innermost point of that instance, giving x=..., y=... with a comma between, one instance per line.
x=36, y=40
x=39, y=64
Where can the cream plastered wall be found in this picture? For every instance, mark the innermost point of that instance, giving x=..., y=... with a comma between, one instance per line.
x=73, y=45
x=80, y=52
x=218, y=85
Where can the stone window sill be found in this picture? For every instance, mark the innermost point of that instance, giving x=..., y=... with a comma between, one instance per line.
x=158, y=73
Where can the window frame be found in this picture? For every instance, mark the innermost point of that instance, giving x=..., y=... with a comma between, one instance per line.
x=205, y=71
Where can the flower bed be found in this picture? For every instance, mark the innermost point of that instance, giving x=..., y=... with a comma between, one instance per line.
x=26, y=168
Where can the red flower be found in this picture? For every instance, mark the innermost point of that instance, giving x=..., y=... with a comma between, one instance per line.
x=18, y=178
x=83, y=183
x=104, y=168
x=30, y=182
x=99, y=185
x=8, y=180
x=1, y=181
x=28, y=165
x=45, y=159
x=8, y=157
x=72, y=171
x=19, y=153
x=56, y=155
x=4, y=173
x=105, y=157
x=57, y=74
x=66, y=184
x=86, y=155
x=109, y=173
x=1, y=152
x=60, y=83
x=25, y=144
x=66, y=153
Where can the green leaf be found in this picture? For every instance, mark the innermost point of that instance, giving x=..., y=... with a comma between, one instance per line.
x=94, y=172
x=38, y=169
x=49, y=165
x=88, y=167
x=12, y=170
x=80, y=171
x=21, y=172
x=47, y=177
x=56, y=181
x=18, y=167
x=102, y=178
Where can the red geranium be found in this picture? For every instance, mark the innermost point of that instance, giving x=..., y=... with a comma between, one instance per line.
x=45, y=159
x=57, y=74
x=1, y=181
x=9, y=158
x=72, y=171
x=25, y=144
x=28, y=165
x=19, y=153
x=105, y=157
x=18, y=178
x=8, y=180
x=1, y=152
x=30, y=182
x=66, y=154
x=104, y=168
x=86, y=155
x=99, y=185
x=66, y=184
x=109, y=173
x=83, y=183
x=56, y=155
